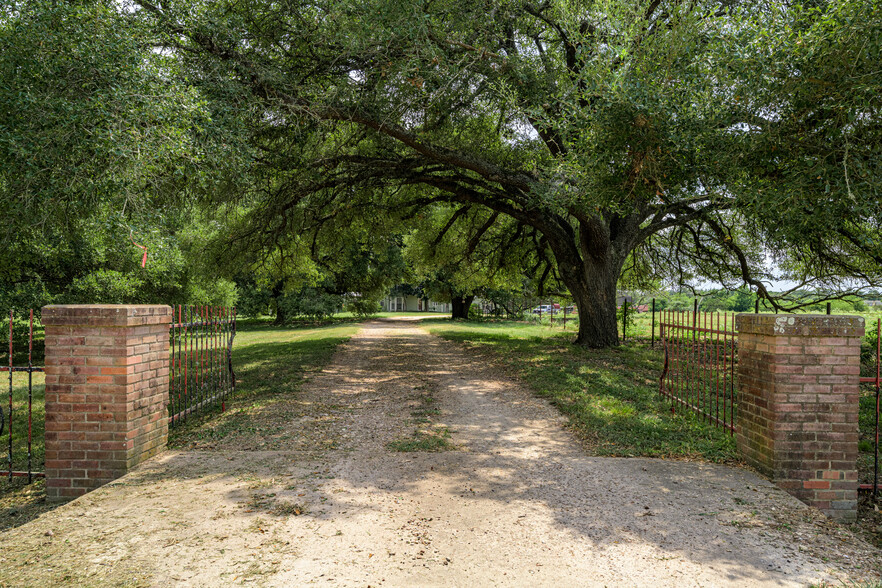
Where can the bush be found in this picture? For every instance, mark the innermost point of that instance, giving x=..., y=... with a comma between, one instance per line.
x=21, y=297
x=363, y=307
x=868, y=350
x=213, y=292
x=475, y=313
x=105, y=287
x=311, y=303
x=629, y=318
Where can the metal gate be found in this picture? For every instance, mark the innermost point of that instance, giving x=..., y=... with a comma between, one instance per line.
x=699, y=369
x=17, y=416
x=201, y=360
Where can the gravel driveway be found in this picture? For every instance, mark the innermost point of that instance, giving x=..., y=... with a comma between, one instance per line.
x=320, y=498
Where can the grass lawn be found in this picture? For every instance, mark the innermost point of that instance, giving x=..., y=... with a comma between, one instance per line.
x=270, y=362
x=20, y=422
x=20, y=501
x=610, y=396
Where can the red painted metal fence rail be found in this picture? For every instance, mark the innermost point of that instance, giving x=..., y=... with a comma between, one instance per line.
x=201, y=360
x=7, y=421
x=699, y=370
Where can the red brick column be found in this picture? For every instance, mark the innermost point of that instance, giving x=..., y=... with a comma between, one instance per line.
x=106, y=392
x=798, y=379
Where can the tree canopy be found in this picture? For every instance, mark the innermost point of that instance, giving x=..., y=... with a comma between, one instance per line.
x=579, y=141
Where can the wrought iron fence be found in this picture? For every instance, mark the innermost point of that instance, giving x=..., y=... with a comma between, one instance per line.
x=201, y=360
x=22, y=452
x=699, y=369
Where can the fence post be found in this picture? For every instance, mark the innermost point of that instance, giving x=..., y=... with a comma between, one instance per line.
x=798, y=386
x=652, y=341
x=829, y=307
x=625, y=319
x=106, y=392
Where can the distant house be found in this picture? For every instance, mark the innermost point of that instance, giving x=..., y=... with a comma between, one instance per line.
x=620, y=300
x=411, y=303
x=876, y=303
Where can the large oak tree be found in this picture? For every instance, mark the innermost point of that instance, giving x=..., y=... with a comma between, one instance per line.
x=693, y=137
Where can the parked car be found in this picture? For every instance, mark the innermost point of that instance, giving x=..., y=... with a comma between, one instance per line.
x=547, y=309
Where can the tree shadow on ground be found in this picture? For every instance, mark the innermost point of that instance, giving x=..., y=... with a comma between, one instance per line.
x=514, y=467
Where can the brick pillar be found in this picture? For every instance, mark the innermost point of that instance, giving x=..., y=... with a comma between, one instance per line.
x=106, y=392
x=798, y=378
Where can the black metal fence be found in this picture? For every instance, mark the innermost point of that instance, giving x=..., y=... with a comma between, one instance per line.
x=699, y=369
x=17, y=418
x=201, y=360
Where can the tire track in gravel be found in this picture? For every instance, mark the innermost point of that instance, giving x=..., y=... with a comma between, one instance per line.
x=518, y=502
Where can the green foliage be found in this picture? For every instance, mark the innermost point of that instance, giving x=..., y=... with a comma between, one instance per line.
x=625, y=315
x=88, y=116
x=508, y=147
x=102, y=142
x=254, y=301
x=552, y=140
x=363, y=307
x=869, y=348
x=311, y=303
x=104, y=287
x=744, y=300
x=211, y=291
x=466, y=250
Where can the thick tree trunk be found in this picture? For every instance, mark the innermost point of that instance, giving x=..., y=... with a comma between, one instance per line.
x=461, y=305
x=596, y=303
x=276, y=296
x=592, y=279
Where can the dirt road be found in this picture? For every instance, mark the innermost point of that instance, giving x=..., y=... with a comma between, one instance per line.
x=319, y=498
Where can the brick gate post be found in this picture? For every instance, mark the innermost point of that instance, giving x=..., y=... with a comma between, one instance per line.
x=798, y=386
x=106, y=392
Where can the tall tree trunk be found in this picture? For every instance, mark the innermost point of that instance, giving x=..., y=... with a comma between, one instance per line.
x=591, y=273
x=595, y=299
x=461, y=305
x=276, y=297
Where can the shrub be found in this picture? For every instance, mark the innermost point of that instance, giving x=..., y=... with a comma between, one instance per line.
x=363, y=307
x=311, y=303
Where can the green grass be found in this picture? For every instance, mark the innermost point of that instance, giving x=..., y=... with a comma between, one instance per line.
x=867, y=424
x=436, y=439
x=270, y=362
x=610, y=396
x=20, y=422
x=428, y=436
